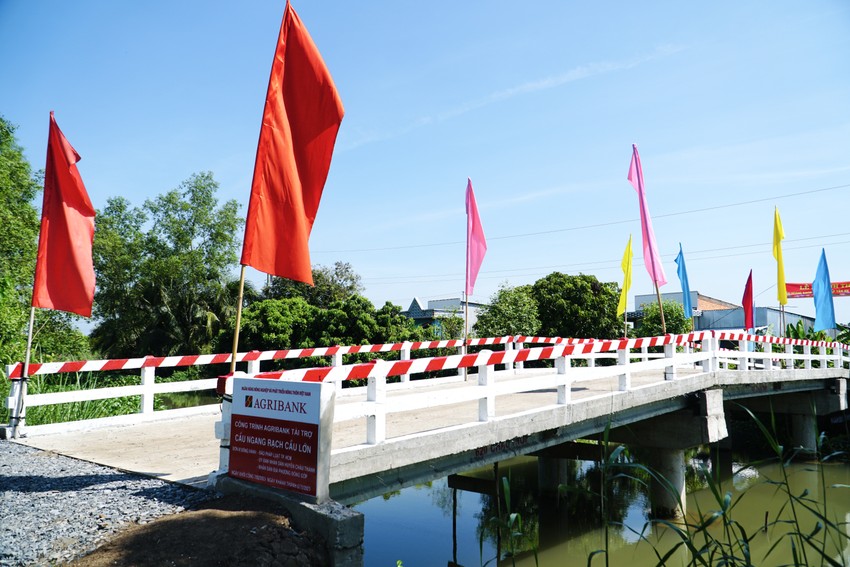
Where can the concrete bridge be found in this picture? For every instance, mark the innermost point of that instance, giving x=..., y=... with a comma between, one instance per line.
x=520, y=399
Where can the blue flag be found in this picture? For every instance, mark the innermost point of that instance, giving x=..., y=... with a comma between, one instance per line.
x=822, y=291
x=683, y=277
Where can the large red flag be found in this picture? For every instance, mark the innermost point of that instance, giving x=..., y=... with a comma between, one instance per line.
x=747, y=300
x=64, y=271
x=300, y=123
x=476, y=244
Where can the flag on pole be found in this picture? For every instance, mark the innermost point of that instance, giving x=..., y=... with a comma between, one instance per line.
x=683, y=278
x=626, y=264
x=822, y=291
x=476, y=244
x=651, y=257
x=747, y=301
x=64, y=270
x=301, y=119
x=778, y=237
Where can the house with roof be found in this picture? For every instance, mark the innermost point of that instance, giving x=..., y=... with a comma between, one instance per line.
x=429, y=314
x=718, y=315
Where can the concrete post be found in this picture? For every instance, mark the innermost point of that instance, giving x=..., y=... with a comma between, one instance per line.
x=405, y=355
x=376, y=424
x=626, y=377
x=564, y=390
x=509, y=346
x=644, y=352
x=487, y=404
x=743, y=346
x=17, y=405
x=519, y=365
x=709, y=347
x=807, y=351
x=148, y=379
x=253, y=367
x=789, y=363
x=667, y=494
x=669, y=353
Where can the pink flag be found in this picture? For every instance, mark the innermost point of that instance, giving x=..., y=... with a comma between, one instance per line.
x=651, y=257
x=476, y=244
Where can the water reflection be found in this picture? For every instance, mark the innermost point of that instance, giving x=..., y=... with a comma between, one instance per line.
x=437, y=524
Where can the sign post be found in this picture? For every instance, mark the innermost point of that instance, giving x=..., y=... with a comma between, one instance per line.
x=280, y=435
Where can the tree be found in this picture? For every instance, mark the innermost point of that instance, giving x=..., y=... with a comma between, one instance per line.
x=330, y=285
x=576, y=306
x=393, y=327
x=54, y=334
x=511, y=311
x=168, y=289
x=674, y=318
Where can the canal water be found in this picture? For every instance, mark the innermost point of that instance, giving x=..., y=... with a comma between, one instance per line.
x=435, y=524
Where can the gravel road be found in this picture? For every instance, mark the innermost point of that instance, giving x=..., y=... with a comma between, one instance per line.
x=54, y=509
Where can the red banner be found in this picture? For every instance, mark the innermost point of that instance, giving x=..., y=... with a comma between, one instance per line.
x=798, y=290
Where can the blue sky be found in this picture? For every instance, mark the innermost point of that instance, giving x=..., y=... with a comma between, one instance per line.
x=736, y=107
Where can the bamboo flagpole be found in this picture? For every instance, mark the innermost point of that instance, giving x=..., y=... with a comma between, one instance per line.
x=238, y=320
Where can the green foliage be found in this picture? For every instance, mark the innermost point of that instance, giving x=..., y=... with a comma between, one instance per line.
x=577, y=306
x=331, y=285
x=674, y=317
x=164, y=286
x=448, y=327
x=511, y=311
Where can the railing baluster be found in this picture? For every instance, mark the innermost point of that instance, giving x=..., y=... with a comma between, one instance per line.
x=376, y=424
x=670, y=371
x=487, y=404
x=625, y=379
x=564, y=390
x=148, y=380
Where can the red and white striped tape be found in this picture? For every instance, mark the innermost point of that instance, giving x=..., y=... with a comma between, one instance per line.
x=586, y=346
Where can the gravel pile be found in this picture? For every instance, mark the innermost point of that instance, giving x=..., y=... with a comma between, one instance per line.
x=54, y=509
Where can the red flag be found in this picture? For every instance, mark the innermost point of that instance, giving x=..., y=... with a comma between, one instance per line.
x=300, y=123
x=64, y=271
x=748, y=303
x=476, y=244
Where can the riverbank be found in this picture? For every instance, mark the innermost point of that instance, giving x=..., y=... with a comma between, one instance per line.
x=62, y=511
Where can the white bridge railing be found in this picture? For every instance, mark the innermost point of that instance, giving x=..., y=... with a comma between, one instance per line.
x=573, y=360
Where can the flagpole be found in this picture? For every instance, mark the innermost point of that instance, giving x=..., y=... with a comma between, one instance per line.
x=660, y=309
x=22, y=389
x=238, y=320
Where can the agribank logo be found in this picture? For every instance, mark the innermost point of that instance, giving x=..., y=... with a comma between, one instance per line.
x=283, y=406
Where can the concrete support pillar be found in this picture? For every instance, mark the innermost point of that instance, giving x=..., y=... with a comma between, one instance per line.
x=667, y=496
x=804, y=434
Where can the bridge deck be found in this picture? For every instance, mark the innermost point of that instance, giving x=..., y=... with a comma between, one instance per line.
x=185, y=450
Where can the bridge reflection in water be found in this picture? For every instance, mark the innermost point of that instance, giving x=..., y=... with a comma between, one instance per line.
x=436, y=524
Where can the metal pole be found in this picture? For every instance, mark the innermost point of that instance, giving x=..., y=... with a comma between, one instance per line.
x=16, y=418
x=661, y=309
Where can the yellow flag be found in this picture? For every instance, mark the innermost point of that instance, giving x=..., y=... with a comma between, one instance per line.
x=778, y=237
x=627, y=277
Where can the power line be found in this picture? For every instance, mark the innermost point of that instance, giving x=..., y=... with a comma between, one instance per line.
x=588, y=226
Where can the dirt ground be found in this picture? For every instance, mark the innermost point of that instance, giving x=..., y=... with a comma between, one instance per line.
x=233, y=530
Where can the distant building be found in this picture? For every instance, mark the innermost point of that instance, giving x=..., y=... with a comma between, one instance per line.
x=712, y=314
x=427, y=316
